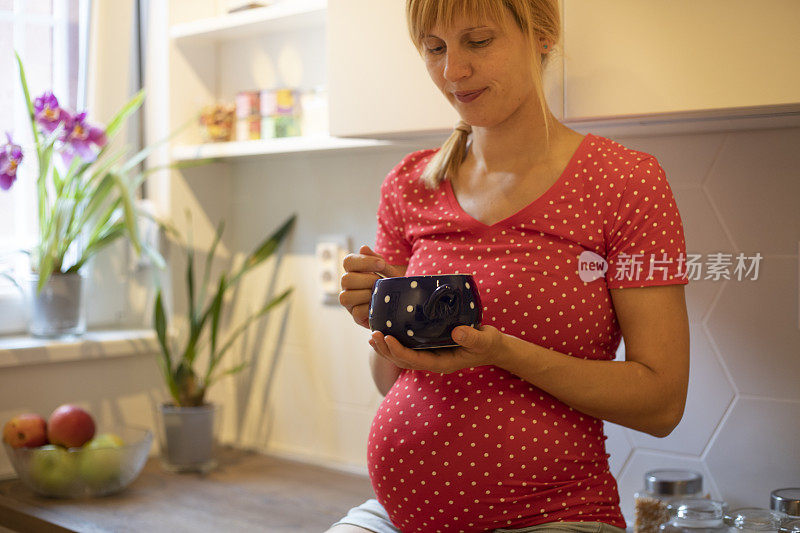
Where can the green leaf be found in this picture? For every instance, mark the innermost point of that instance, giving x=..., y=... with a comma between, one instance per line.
x=110, y=235
x=13, y=280
x=101, y=169
x=146, y=151
x=243, y=327
x=160, y=325
x=122, y=115
x=53, y=254
x=190, y=287
x=131, y=227
x=68, y=177
x=97, y=198
x=229, y=371
x=28, y=103
x=209, y=259
x=154, y=256
x=216, y=311
x=102, y=223
x=265, y=249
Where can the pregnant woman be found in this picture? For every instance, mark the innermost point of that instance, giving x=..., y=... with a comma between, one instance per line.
x=575, y=242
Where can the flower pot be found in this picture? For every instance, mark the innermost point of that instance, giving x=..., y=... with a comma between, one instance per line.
x=187, y=438
x=59, y=308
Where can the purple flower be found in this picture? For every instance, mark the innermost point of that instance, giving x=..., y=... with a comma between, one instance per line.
x=48, y=113
x=80, y=138
x=10, y=158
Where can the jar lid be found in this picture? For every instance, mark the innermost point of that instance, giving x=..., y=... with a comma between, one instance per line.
x=754, y=519
x=673, y=482
x=785, y=501
x=791, y=526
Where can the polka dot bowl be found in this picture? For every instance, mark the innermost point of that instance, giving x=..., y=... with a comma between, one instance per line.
x=421, y=311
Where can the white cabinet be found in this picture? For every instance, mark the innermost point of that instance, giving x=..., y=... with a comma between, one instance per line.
x=693, y=63
x=378, y=83
x=629, y=57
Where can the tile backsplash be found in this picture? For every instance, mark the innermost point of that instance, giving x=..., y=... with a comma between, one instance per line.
x=738, y=192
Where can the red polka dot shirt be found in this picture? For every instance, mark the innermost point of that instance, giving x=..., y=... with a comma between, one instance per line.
x=480, y=448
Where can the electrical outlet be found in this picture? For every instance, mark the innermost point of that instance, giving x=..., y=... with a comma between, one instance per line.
x=330, y=253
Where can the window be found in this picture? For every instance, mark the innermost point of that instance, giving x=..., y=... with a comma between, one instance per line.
x=50, y=36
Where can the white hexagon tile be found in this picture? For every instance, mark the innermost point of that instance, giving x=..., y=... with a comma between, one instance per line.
x=700, y=295
x=755, y=187
x=710, y=394
x=702, y=229
x=756, y=451
x=754, y=326
x=704, y=235
x=618, y=446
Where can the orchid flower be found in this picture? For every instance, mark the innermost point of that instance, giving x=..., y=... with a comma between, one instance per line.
x=47, y=113
x=10, y=158
x=80, y=137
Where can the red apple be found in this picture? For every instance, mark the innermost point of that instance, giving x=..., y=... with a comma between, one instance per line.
x=70, y=426
x=25, y=430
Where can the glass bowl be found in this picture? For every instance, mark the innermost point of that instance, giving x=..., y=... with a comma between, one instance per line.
x=60, y=472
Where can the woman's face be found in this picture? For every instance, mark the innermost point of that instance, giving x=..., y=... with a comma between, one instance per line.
x=484, y=69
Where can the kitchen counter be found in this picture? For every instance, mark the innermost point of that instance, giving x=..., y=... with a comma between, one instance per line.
x=247, y=492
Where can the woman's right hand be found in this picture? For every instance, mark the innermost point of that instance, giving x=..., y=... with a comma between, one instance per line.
x=361, y=272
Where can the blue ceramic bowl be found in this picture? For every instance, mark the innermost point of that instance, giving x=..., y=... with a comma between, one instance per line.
x=421, y=311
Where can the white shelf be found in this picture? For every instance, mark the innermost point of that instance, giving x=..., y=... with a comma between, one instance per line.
x=283, y=15
x=285, y=145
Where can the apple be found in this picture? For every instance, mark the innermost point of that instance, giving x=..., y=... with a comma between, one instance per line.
x=105, y=440
x=25, y=430
x=70, y=426
x=52, y=468
x=101, y=460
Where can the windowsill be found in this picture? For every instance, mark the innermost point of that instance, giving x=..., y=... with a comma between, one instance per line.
x=25, y=350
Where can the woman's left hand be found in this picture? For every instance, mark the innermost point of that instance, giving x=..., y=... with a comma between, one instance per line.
x=477, y=347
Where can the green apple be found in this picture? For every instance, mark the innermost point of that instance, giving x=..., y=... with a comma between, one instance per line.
x=53, y=468
x=105, y=440
x=101, y=460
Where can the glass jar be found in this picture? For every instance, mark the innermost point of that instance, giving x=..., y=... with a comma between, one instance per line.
x=786, y=501
x=752, y=520
x=790, y=525
x=697, y=515
x=662, y=487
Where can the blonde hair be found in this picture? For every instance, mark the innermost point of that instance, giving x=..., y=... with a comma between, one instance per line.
x=536, y=18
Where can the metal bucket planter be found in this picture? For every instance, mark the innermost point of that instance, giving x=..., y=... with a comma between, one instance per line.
x=187, y=438
x=59, y=309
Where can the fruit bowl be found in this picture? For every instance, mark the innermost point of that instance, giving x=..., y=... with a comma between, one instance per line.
x=106, y=468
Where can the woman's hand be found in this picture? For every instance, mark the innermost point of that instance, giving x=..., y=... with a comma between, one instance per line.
x=477, y=347
x=358, y=280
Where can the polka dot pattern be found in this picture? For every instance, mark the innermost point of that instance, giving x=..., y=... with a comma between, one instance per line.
x=481, y=449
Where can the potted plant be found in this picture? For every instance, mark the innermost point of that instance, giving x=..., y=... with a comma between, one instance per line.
x=86, y=201
x=188, y=420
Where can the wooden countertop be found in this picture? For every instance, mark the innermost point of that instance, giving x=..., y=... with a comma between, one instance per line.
x=247, y=492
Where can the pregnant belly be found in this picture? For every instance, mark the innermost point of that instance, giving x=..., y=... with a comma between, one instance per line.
x=478, y=443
